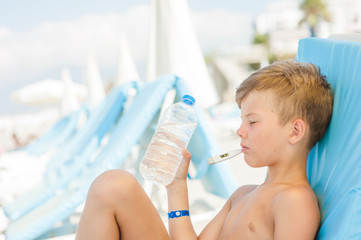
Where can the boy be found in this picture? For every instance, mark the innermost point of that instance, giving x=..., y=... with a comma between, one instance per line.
x=286, y=108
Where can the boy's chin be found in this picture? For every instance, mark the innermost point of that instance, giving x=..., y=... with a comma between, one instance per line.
x=252, y=163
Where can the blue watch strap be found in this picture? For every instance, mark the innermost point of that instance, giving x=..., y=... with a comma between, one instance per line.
x=178, y=213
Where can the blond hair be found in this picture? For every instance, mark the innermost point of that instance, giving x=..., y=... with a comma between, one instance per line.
x=300, y=91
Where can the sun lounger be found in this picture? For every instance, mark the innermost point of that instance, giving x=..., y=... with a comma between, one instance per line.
x=129, y=129
x=334, y=164
x=61, y=132
x=126, y=134
x=99, y=123
x=70, y=159
x=64, y=134
x=46, y=145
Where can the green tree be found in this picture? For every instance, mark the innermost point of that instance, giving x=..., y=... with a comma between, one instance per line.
x=314, y=11
x=260, y=39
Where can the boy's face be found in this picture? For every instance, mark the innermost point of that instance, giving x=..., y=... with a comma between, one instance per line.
x=263, y=140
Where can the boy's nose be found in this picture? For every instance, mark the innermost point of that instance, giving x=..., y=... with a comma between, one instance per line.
x=241, y=132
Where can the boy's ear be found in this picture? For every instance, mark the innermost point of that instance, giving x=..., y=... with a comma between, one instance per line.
x=298, y=131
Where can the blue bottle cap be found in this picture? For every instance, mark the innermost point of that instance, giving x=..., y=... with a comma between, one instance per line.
x=188, y=99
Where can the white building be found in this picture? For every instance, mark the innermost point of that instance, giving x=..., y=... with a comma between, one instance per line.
x=346, y=17
x=282, y=18
x=281, y=23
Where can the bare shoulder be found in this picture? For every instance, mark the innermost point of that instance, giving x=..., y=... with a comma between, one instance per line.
x=295, y=211
x=243, y=191
x=295, y=195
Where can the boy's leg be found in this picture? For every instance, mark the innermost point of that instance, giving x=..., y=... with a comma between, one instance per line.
x=117, y=207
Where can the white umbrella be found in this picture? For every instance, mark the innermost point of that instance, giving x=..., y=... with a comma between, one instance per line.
x=96, y=91
x=174, y=49
x=127, y=70
x=45, y=92
x=70, y=101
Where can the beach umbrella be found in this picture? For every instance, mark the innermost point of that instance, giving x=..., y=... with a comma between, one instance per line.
x=95, y=86
x=127, y=70
x=174, y=49
x=70, y=101
x=45, y=92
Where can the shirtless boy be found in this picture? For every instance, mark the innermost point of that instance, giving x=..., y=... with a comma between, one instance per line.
x=286, y=108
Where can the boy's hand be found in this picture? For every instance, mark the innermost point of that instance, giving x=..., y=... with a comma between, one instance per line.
x=181, y=175
x=177, y=192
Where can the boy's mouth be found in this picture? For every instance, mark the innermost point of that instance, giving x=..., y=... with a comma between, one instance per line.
x=244, y=148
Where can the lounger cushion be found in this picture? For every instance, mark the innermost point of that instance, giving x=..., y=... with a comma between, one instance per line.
x=334, y=164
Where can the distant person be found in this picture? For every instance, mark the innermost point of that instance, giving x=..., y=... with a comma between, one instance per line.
x=286, y=108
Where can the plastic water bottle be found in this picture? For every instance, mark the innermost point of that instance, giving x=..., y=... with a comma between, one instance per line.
x=164, y=153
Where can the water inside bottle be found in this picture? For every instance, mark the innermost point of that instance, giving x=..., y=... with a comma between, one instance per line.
x=164, y=153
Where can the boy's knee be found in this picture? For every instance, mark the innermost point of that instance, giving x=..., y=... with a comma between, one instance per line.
x=115, y=183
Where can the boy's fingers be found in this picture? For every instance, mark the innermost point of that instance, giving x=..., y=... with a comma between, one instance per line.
x=183, y=168
x=186, y=154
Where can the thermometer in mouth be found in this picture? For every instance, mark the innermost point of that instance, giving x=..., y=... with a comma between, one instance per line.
x=224, y=156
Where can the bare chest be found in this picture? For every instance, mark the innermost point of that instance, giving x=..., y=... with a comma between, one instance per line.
x=249, y=218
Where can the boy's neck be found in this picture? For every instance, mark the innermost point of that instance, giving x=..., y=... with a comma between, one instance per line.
x=288, y=172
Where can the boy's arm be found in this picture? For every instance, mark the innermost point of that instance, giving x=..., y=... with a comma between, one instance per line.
x=214, y=227
x=181, y=227
x=296, y=214
x=177, y=191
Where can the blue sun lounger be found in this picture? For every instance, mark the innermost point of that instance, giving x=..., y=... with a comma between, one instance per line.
x=100, y=121
x=70, y=159
x=334, y=164
x=61, y=132
x=127, y=132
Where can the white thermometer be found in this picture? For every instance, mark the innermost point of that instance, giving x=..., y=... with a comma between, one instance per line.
x=224, y=156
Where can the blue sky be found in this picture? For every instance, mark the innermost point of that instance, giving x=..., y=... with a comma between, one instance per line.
x=23, y=15
x=40, y=37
